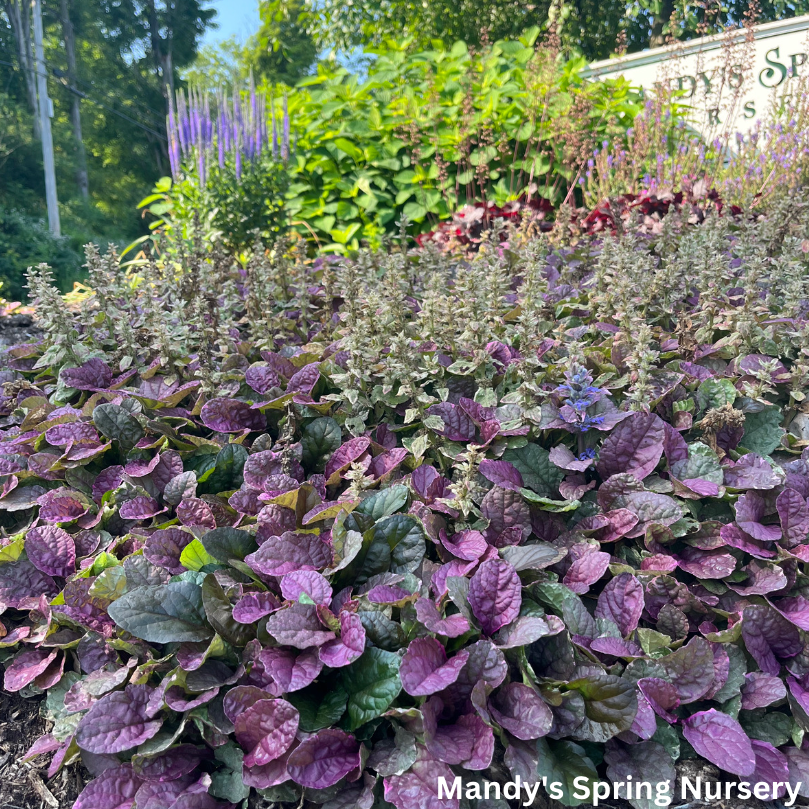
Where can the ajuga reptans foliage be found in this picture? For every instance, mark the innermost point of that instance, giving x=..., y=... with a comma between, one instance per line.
x=332, y=529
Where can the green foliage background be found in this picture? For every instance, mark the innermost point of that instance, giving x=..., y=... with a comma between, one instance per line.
x=420, y=135
x=380, y=127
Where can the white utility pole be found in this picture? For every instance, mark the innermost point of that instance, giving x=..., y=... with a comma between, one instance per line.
x=45, y=122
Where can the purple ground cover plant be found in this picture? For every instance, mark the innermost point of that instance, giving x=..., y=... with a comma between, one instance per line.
x=328, y=530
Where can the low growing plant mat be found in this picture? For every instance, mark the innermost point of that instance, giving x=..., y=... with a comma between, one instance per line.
x=335, y=529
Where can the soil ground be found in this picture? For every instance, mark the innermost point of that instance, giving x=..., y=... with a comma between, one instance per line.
x=25, y=785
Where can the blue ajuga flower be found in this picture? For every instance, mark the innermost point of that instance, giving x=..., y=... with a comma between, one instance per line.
x=589, y=422
x=578, y=394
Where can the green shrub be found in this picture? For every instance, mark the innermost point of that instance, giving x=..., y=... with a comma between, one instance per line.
x=422, y=134
x=26, y=241
x=428, y=131
x=231, y=209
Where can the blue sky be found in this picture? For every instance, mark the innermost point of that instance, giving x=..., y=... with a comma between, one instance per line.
x=235, y=18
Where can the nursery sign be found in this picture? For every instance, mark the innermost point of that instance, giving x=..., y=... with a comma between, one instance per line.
x=729, y=80
x=596, y=792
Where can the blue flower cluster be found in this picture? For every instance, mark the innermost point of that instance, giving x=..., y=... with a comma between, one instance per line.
x=578, y=394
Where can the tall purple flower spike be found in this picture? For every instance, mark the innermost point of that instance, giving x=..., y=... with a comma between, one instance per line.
x=206, y=131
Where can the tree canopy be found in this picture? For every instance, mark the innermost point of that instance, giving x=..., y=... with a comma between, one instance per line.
x=112, y=66
x=125, y=53
x=588, y=27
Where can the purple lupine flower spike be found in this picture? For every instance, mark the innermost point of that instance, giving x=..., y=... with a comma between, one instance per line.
x=171, y=127
x=274, y=131
x=208, y=123
x=253, y=117
x=237, y=153
x=206, y=128
x=259, y=125
x=182, y=115
x=285, y=141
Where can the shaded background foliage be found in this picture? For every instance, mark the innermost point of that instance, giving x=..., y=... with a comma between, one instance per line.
x=420, y=135
x=126, y=53
x=595, y=30
x=117, y=73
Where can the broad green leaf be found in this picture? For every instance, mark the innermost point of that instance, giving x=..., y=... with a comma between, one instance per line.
x=194, y=576
x=348, y=147
x=201, y=461
x=385, y=502
x=763, y=431
x=667, y=736
x=195, y=557
x=219, y=612
x=180, y=487
x=12, y=551
x=330, y=511
x=228, y=543
x=610, y=706
x=372, y=683
x=554, y=506
x=165, y=739
x=103, y=561
x=652, y=642
x=64, y=723
x=227, y=782
x=117, y=424
x=373, y=558
x=382, y=631
x=345, y=547
x=404, y=538
x=226, y=474
x=325, y=223
x=570, y=608
x=702, y=462
x=563, y=762
x=418, y=445
x=735, y=680
x=320, y=706
x=320, y=439
x=230, y=755
x=715, y=393
x=167, y=613
x=534, y=464
x=767, y=726
x=415, y=211
x=110, y=584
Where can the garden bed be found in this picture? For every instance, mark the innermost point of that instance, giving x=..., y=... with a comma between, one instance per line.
x=539, y=509
x=25, y=785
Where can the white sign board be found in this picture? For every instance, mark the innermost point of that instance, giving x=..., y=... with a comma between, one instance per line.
x=729, y=80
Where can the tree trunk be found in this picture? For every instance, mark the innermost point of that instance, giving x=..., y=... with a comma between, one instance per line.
x=161, y=52
x=19, y=15
x=159, y=149
x=75, y=101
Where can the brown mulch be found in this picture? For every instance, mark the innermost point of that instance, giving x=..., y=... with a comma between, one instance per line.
x=26, y=785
